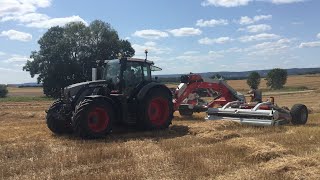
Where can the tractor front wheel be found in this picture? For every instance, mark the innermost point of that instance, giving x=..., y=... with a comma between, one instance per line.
x=56, y=120
x=93, y=118
x=299, y=114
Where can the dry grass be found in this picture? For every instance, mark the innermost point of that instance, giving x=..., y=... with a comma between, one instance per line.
x=190, y=149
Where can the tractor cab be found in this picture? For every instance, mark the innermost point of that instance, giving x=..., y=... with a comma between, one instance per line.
x=127, y=75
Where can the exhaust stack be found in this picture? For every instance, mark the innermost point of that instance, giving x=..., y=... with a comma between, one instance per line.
x=94, y=74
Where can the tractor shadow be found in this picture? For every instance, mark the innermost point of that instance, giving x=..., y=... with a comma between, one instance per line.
x=123, y=134
x=126, y=134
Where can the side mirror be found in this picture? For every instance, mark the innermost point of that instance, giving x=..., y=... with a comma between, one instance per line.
x=94, y=74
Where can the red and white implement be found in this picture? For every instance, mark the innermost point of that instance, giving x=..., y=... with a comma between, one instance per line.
x=187, y=96
x=259, y=114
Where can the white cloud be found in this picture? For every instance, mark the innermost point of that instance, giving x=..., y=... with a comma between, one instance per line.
x=152, y=49
x=258, y=28
x=269, y=48
x=286, y=1
x=318, y=35
x=191, y=52
x=232, y=50
x=258, y=37
x=17, y=59
x=150, y=34
x=297, y=23
x=26, y=18
x=212, y=22
x=236, y=3
x=245, y=20
x=56, y=22
x=16, y=35
x=185, y=32
x=20, y=7
x=193, y=60
x=225, y=3
x=2, y=53
x=7, y=69
x=310, y=44
x=220, y=40
x=25, y=11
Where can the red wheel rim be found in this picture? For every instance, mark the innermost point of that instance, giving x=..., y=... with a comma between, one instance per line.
x=158, y=111
x=98, y=119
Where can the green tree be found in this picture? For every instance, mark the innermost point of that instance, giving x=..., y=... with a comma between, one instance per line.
x=253, y=80
x=3, y=91
x=276, y=78
x=217, y=77
x=68, y=53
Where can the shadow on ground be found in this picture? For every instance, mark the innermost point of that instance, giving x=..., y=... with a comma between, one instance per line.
x=126, y=134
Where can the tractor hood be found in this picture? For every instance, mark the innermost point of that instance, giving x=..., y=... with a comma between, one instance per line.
x=72, y=90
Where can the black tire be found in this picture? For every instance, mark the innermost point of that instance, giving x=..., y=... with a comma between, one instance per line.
x=93, y=118
x=185, y=112
x=299, y=114
x=57, y=122
x=156, y=110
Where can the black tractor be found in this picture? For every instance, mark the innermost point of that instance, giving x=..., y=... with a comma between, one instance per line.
x=124, y=94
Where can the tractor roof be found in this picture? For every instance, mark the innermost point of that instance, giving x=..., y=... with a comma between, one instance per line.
x=138, y=60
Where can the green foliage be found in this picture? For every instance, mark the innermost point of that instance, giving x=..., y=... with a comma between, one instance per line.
x=3, y=91
x=253, y=80
x=68, y=53
x=217, y=77
x=276, y=78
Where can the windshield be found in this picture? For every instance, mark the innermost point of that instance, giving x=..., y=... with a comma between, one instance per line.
x=112, y=71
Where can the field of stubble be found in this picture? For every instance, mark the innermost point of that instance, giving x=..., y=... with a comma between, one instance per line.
x=189, y=149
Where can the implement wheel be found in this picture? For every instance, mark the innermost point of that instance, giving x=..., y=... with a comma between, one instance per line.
x=185, y=112
x=299, y=114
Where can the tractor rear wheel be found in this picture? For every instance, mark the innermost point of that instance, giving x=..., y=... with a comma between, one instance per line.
x=156, y=110
x=57, y=122
x=299, y=114
x=93, y=118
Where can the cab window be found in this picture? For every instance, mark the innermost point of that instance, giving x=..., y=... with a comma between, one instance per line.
x=146, y=72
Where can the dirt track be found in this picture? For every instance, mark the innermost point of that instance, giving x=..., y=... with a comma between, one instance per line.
x=189, y=149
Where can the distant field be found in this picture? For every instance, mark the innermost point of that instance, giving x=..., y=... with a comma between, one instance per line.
x=308, y=81
x=26, y=91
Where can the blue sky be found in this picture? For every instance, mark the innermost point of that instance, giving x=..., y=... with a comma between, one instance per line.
x=181, y=36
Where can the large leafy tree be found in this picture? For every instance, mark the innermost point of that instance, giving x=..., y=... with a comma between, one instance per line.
x=253, y=80
x=68, y=53
x=276, y=78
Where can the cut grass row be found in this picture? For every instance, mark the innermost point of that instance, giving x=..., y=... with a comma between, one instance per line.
x=25, y=98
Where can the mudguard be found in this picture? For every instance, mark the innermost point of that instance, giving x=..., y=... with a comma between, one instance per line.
x=149, y=86
x=105, y=98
